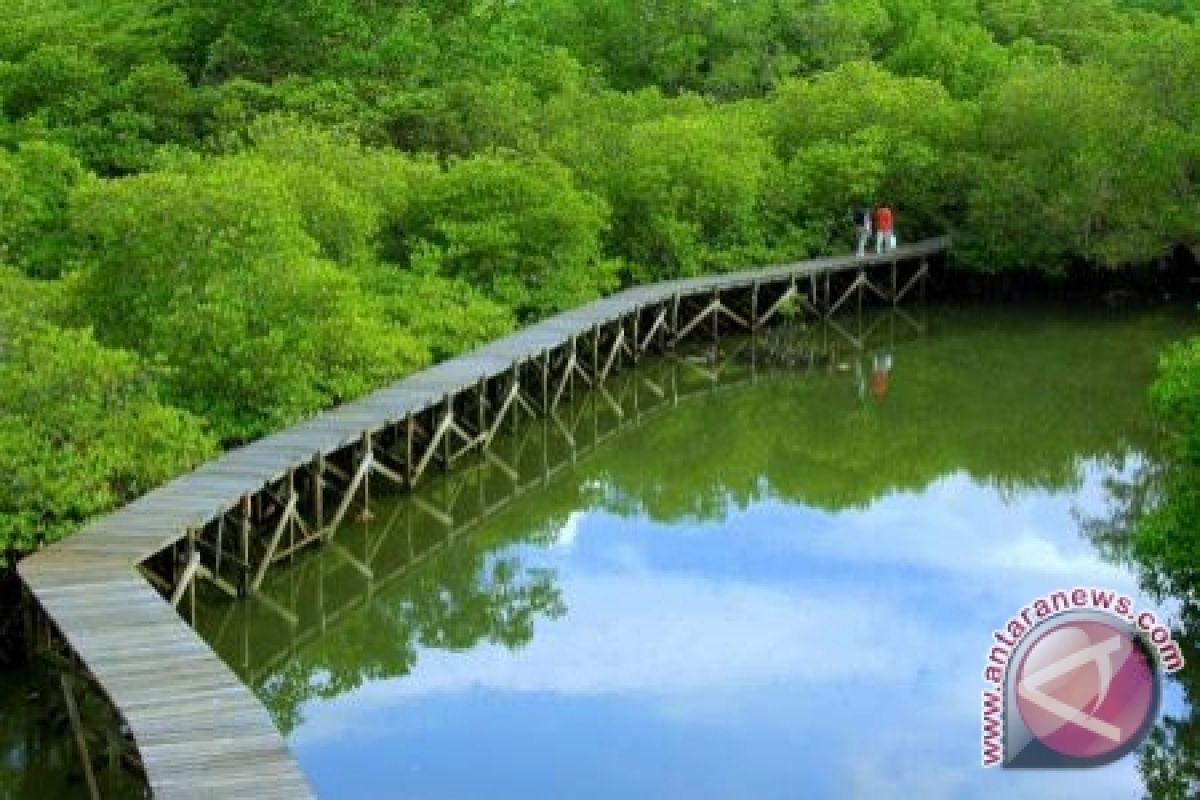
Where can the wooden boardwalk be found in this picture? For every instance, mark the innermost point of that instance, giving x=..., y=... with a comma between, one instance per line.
x=112, y=590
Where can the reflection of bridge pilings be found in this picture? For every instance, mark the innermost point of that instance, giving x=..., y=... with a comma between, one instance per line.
x=308, y=503
x=102, y=752
x=823, y=342
x=412, y=528
x=231, y=520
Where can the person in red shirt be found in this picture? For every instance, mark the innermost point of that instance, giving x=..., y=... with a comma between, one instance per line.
x=885, y=232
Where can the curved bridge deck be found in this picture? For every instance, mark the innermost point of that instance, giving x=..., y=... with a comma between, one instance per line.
x=112, y=590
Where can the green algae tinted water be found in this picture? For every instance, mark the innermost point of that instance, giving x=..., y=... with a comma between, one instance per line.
x=765, y=570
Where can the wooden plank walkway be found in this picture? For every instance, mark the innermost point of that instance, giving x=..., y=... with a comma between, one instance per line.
x=199, y=730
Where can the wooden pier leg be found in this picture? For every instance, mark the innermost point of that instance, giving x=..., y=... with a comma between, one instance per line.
x=318, y=489
x=480, y=410
x=273, y=544
x=572, y=362
x=675, y=316
x=546, y=382
x=408, y=449
x=287, y=519
x=516, y=412
x=754, y=307
x=194, y=551
x=245, y=542
x=637, y=339
x=828, y=296
x=220, y=545
x=68, y=689
x=368, y=452
x=447, y=445
x=596, y=352
x=862, y=277
x=716, y=317
x=895, y=283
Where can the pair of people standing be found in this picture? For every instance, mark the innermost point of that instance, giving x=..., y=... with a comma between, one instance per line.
x=881, y=222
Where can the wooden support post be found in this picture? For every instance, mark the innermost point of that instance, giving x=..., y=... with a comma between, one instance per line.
x=442, y=431
x=368, y=457
x=185, y=580
x=85, y=759
x=710, y=309
x=612, y=356
x=291, y=529
x=716, y=317
x=220, y=544
x=273, y=544
x=520, y=399
x=635, y=353
x=895, y=285
x=733, y=315
x=567, y=377
x=447, y=450
x=505, y=408
x=317, y=482
x=754, y=307
x=480, y=408
x=572, y=367
x=217, y=581
x=916, y=279
x=862, y=278
x=788, y=294
x=245, y=537
x=352, y=490
x=408, y=449
x=659, y=321
x=845, y=296
x=390, y=474
x=596, y=349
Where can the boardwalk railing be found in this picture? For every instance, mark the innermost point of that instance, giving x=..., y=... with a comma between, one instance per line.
x=111, y=591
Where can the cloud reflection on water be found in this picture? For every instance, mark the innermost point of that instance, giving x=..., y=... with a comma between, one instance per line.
x=801, y=652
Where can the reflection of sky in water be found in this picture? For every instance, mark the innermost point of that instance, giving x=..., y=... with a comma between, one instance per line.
x=783, y=652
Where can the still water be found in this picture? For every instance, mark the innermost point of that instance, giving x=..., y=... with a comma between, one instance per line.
x=752, y=582
x=768, y=571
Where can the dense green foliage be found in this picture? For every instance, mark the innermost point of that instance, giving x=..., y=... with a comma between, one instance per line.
x=83, y=426
x=265, y=208
x=1155, y=528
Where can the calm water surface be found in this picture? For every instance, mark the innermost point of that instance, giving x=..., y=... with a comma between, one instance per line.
x=751, y=582
x=777, y=583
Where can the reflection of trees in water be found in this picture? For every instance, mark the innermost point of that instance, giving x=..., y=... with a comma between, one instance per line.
x=1143, y=508
x=460, y=598
x=971, y=398
x=38, y=758
x=964, y=400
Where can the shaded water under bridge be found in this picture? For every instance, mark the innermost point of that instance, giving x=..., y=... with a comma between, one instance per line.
x=108, y=598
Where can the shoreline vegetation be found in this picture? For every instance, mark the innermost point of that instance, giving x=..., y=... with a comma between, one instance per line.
x=216, y=220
